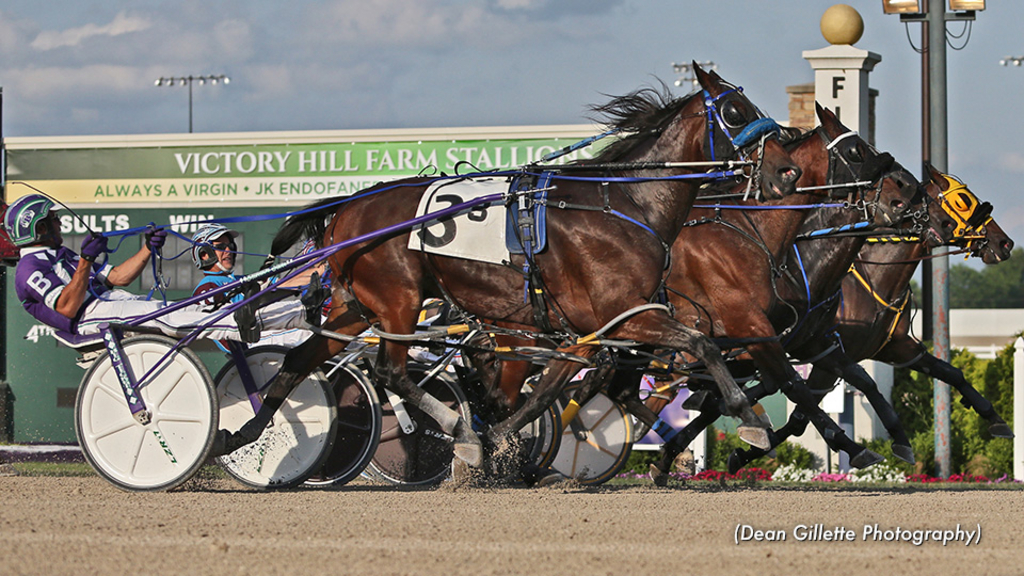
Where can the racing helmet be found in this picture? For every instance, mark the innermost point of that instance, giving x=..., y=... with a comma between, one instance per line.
x=23, y=215
x=203, y=253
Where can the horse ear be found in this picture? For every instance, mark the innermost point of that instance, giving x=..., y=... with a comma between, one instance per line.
x=827, y=118
x=706, y=80
x=936, y=176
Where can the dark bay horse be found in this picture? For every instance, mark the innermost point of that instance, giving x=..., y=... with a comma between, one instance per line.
x=874, y=320
x=602, y=260
x=727, y=274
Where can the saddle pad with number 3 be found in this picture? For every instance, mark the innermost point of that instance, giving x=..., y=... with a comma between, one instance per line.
x=477, y=233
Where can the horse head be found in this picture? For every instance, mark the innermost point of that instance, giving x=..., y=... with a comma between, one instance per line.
x=969, y=221
x=736, y=129
x=852, y=160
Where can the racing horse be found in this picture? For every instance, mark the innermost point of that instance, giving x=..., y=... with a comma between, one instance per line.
x=728, y=261
x=819, y=261
x=874, y=323
x=605, y=255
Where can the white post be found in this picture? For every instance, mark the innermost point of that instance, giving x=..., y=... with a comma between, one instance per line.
x=841, y=83
x=1018, y=407
x=699, y=446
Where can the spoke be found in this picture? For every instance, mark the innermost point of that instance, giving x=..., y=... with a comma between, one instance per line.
x=197, y=419
x=168, y=378
x=113, y=428
x=600, y=448
x=352, y=426
x=603, y=417
x=114, y=392
x=300, y=419
x=138, y=449
x=235, y=390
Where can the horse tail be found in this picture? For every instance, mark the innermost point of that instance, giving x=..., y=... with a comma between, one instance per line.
x=310, y=223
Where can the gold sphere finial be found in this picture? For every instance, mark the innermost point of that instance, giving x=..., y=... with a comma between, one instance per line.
x=842, y=24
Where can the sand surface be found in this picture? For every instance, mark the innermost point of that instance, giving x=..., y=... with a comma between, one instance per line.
x=82, y=525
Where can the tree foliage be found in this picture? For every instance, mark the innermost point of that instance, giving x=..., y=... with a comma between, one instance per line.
x=973, y=449
x=999, y=286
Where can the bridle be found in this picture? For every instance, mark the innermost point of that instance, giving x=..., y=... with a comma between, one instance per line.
x=970, y=214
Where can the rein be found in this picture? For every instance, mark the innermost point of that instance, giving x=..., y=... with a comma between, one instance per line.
x=915, y=260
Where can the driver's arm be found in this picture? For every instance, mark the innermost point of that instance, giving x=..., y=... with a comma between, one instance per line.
x=73, y=295
x=126, y=272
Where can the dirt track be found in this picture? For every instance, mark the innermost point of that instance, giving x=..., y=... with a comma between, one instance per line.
x=83, y=525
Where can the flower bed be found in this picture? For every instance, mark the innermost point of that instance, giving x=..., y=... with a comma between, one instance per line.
x=878, y=473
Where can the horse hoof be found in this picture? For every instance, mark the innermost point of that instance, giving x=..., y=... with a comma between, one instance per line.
x=1000, y=430
x=903, y=452
x=468, y=446
x=756, y=437
x=735, y=461
x=470, y=453
x=220, y=444
x=865, y=458
x=548, y=477
x=659, y=477
x=461, y=472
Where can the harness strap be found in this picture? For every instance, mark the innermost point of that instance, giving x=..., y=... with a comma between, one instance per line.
x=903, y=300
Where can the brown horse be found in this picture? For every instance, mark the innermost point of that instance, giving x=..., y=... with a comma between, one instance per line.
x=726, y=271
x=874, y=320
x=606, y=255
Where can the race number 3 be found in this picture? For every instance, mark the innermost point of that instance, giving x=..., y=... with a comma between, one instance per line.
x=476, y=214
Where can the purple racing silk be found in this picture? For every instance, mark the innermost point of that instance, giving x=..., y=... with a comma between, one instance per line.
x=41, y=276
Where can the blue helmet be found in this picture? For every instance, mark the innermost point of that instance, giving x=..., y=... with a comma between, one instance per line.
x=22, y=216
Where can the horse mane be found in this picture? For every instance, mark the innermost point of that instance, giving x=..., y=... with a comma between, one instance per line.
x=641, y=112
x=310, y=223
x=791, y=135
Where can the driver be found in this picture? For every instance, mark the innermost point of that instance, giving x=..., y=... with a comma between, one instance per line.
x=73, y=293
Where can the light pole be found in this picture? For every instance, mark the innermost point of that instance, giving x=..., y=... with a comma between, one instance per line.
x=687, y=72
x=188, y=80
x=1012, y=61
x=932, y=13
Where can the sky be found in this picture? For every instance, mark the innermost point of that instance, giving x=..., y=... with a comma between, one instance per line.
x=88, y=67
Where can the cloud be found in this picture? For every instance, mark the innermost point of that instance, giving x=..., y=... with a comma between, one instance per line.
x=122, y=24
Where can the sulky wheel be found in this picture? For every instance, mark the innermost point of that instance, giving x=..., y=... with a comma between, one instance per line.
x=179, y=397
x=299, y=438
x=597, y=443
x=541, y=438
x=359, y=427
x=424, y=455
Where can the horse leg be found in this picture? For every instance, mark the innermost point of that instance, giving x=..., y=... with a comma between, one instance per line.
x=624, y=387
x=297, y=364
x=709, y=409
x=969, y=396
x=837, y=363
x=903, y=350
x=776, y=372
x=658, y=329
x=555, y=375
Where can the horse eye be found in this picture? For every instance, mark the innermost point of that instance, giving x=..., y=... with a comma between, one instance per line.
x=733, y=115
x=854, y=155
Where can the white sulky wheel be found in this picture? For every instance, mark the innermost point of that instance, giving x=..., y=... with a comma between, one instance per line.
x=596, y=445
x=172, y=447
x=359, y=426
x=298, y=439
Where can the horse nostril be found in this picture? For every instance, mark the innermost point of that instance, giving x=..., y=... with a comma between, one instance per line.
x=789, y=174
x=898, y=205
